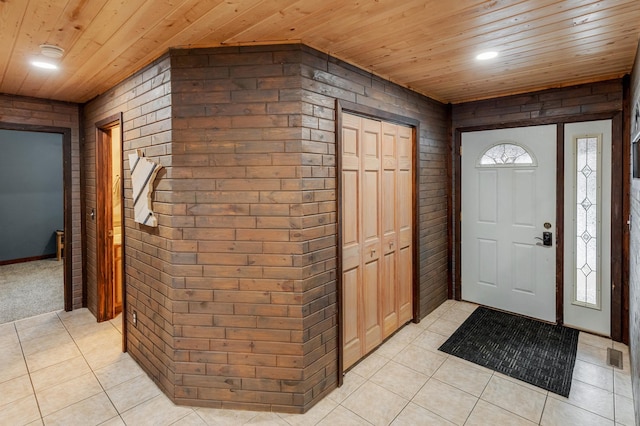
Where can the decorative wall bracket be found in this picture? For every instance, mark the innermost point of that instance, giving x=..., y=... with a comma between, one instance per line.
x=143, y=173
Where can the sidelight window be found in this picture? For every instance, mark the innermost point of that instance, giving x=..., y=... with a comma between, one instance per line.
x=587, y=191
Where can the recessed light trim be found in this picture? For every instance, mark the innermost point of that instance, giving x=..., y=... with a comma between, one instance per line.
x=44, y=65
x=51, y=51
x=487, y=55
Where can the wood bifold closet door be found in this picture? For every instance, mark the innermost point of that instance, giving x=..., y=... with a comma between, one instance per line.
x=377, y=235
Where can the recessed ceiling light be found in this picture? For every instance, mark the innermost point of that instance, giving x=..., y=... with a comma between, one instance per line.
x=51, y=51
x=44, y=65
x=486, y=55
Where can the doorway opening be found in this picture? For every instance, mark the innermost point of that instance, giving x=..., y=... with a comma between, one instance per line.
x=36, y=190
x=509, y=236
x=109, y=219
x=569, y=264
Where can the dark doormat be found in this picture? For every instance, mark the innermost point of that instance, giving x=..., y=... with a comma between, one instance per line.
x=532, y=351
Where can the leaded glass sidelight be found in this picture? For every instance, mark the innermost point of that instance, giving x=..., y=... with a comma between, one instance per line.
x=506, y=154
x=587, y=220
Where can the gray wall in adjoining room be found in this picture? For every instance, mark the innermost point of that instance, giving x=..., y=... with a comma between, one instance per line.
x=31, y=193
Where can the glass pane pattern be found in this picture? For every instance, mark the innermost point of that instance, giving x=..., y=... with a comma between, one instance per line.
x=506, y=154
x=587, y=286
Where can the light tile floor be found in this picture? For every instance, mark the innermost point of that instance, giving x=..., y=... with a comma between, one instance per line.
x=66, y=369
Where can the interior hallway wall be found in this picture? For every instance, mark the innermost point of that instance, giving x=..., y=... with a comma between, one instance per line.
x=144, y=99
x=235, y=291
x=254, y=176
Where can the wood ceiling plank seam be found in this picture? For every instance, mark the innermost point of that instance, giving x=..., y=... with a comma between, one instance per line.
x=95, y=36
x=226, y=33
x=356, y=23
x=504, y=38
x=159, y=49
x=121, y=39
x=289, y=16
x=454, y=52
x=211, y=22
x=182, y=37
x=31, y=35
x=172, y=24
x=437, y=94
x=469, y=83
x=561, y=52
x=432, y=18
x=548, y=20
x=77, y=15
x=351, y=43
x=475, y=89
x=503, y=67
x=105, y=59
x=437, y=27
x=11, y=19
x=502, y=93
x=206, y=22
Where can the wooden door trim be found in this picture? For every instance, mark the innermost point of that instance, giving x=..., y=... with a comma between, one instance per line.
x=104, y=216
x=620, y=186
x=105, y=298
x=618, y=221
x=626, y=203
x=67, y=200
x=560, y=223
x=377, y=114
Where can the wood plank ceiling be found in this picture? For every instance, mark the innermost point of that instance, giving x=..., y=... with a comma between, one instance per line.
x=426, y=45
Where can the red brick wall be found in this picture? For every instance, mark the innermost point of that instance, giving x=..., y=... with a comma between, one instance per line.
x=145, y=101
x=42, y=112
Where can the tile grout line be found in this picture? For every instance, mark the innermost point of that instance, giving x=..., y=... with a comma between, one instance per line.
x=24, y=359
x=92, y=372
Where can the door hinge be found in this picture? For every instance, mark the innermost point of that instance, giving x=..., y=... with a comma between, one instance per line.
x=460, y=151
x=629, y=222
x=460, y=216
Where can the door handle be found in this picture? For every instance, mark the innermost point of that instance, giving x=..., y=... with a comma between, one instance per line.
x=547, y=239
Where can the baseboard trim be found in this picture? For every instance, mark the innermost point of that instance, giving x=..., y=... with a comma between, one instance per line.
x=27, y=259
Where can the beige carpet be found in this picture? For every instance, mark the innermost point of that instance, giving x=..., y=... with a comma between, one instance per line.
x=31, y=288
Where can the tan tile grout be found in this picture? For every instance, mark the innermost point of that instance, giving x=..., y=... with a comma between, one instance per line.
x=412, y=336
x=24, y=359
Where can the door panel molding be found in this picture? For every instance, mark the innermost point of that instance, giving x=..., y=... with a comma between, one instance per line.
x=410, y=309
x=507, y=200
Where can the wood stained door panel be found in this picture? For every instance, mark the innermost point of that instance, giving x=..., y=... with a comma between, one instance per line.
x=351, y=241
x=104, y=223
x=377, y=252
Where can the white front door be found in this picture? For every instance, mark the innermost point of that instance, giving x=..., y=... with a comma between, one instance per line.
x=508, y=202
x=587, y=231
